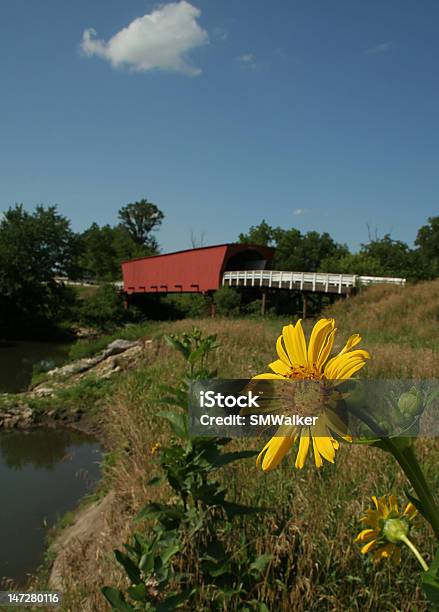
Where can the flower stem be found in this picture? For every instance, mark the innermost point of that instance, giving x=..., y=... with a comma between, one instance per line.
x=415, y=551
x=410, y=466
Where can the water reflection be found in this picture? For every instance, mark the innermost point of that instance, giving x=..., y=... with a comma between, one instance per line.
x=39, y=448
x=18, y=359
x=43, y=475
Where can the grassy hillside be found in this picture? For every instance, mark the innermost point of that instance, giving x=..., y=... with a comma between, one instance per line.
x=312, y=515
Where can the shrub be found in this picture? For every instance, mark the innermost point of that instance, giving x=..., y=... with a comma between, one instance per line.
x=189, y=305
x=105, y=310
x=227, y=301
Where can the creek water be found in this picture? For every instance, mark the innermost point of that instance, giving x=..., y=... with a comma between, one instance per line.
x=19, y=358
x=43, y=475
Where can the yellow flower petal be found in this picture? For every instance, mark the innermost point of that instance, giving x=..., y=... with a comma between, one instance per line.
x=275, y=450
x=325, y=448
x=386, y=552
x=340, y=366
x=279, y=367
x=317, y=341
x=282, y=352
x=368, y=547
x=268, y=376
x=335, y=424
x=352, y=341
x=303, y=450
x=410, y=511
x=393, y=504
x=325, y=350
x=317, y=456
x=295, y=344
x=366, y=535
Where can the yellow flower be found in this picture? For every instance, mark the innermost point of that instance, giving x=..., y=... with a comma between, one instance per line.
x=313, y=363
x=154, y=449
x=386, y=528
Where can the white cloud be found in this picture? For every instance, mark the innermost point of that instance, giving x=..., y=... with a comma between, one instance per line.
x=247, y=59
x=159, y=40
x=299, y=211
x=377, y=49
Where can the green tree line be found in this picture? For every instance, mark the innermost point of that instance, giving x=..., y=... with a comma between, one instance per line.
x=319, y=252
x=37, y=247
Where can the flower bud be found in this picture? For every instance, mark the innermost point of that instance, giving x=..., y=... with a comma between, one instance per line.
x=395, y=529
x=409, y=403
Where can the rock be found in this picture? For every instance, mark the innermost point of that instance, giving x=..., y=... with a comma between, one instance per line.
x=43, y=391
x=10, y=422
x=119, y=346
x=81, y=365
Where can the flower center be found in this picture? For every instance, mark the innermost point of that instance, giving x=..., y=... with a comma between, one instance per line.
x=304, y=373
x=305, y=397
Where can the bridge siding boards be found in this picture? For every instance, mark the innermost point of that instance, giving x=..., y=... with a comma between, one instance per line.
x=197, y=270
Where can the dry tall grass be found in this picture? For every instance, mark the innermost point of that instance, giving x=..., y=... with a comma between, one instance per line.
x=313, y=515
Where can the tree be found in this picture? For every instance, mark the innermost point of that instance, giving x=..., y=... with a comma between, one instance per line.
x=427, y=241
x=104, y=248
x=140, y=219
x=352, y=263
x=262, y=234
x=394, y=256
x=305, y=252
x=98, y=258
x=34, y=248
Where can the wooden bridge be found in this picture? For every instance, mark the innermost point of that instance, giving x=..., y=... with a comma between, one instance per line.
x=317, y=282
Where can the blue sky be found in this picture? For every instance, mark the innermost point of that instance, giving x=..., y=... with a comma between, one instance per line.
x=314, y=114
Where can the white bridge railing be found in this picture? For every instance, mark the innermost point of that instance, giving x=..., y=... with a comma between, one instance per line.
x=309, y=281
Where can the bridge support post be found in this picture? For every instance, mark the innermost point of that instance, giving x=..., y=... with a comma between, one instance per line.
x=263, y=303
x=304, y=305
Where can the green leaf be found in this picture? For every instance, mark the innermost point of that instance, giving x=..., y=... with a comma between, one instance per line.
x=168, y=515
x=116, y=599
x=227, y=458
x=197, y=354
x=178, y=346
x=178, y=422
x=430, y=581
x=169, y=552
x=146, y=563
x=173, y=601
x=261, y=562
x=129, y=566
x=233, y=509
x=155, y=481
x=138, y=592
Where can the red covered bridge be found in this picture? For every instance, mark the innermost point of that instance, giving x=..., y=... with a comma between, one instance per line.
x=198, y=270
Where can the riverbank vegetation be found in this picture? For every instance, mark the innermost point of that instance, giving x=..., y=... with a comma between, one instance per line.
x=311, y=516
